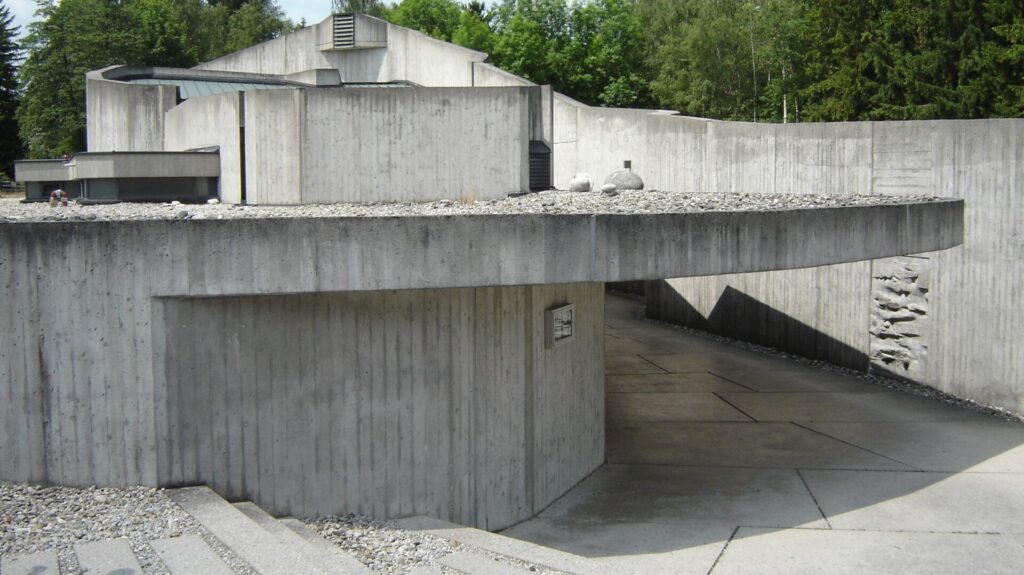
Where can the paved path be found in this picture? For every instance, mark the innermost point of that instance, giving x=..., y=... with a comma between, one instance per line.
x=726, y=461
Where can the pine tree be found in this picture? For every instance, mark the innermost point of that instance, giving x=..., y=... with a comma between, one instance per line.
x=10, y=53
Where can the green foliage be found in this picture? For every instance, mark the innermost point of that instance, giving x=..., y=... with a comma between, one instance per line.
x=473, y=32
x=375, y=8
x=10, y=52
x=438, y=18
x=73, y=37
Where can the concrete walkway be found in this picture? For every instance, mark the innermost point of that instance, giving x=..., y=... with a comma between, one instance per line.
x=726, y=461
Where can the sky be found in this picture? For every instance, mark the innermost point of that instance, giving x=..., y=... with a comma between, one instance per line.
x=312, y=10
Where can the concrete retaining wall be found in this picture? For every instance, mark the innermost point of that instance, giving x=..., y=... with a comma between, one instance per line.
x=974, y=320
x=439, y=402
x=211, y=121
x=426, y=401
x=126, y=117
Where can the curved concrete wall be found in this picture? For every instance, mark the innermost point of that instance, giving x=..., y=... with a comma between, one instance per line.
x=968, y=319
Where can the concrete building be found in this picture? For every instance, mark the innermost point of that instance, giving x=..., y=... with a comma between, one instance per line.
x=406, y=365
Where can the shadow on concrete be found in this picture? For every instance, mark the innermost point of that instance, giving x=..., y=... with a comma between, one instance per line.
x=841, y=463
x=739, y=316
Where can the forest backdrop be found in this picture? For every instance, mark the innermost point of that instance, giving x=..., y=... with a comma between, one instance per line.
x=767, y=61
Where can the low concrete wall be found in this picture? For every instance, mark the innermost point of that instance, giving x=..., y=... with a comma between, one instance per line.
x=126, y=117
x=211, y=121
x=973, y=320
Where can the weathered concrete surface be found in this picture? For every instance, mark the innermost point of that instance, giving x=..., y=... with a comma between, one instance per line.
x=964, y=341
x=103, y=383
x=126, y=117
x=831, y=490
x=211, y=121
x=386, y=404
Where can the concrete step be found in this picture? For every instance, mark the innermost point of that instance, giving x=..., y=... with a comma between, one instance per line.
x=113, y=556
x=327, y=550
x=339, y=563
x=189, y=555
x=542, y=557
x=252, y=543
x=41, y=563
x=425, y=570
x=477, y=564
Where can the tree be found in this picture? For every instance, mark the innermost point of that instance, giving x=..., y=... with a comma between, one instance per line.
x=437, y=18
x=72, y=37
x=473, y=32
x=10, y=52
x=375, y=8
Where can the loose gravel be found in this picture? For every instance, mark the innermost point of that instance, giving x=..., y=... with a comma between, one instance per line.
x=550, y=202
x=381, y=545
x=37, y=518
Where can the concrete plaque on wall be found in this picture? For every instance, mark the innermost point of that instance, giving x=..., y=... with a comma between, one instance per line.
x=558, y=325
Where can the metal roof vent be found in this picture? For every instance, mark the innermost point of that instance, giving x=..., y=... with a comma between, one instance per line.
x=540, y=166
x=344, y=30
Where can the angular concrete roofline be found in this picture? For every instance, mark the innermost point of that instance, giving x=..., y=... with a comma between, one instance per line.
x=305, y=255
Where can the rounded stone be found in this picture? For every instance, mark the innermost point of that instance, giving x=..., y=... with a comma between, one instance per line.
x=581, y=183
x=610, y=189
x=625, y=180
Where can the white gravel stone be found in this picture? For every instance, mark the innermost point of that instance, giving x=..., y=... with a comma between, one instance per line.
x=382, y=546
x=549, y=202
x=37, y=518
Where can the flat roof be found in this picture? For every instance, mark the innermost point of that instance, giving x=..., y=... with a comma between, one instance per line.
x=552, y=202
x=219, y=250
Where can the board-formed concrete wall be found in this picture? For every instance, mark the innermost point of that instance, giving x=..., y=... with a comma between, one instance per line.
x=206, y=122
x=970, y=298
x=371, y=145
x=126, y=117
x=438, y=402
x=441, y=401
x=410, y=56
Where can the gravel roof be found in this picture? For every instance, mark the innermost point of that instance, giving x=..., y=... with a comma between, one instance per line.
x=551, y=202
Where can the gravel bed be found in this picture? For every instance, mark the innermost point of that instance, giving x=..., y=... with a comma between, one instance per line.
x=381, y=545
x=386, y=548
x=888, y=382
x=550, y=202
x=39, y=518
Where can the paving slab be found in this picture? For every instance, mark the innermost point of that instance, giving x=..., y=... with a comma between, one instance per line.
x=668, y=495
x=189, y=555
x=110, y=557
x=920, y=501
x=629, y=364
x=638, y=407
x=735, y=444
x=811, y=551
x=698, y=361
x=477, y=564
x=631, y=548
x=41, y=563
x=670, y=383
x=829, y=406
x=952, y=446
x=795, y=379
x=626, y=346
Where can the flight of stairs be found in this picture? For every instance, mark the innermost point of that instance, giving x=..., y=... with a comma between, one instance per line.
x=288, y=546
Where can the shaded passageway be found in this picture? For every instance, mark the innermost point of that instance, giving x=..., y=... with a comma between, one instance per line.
x=724, y=460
